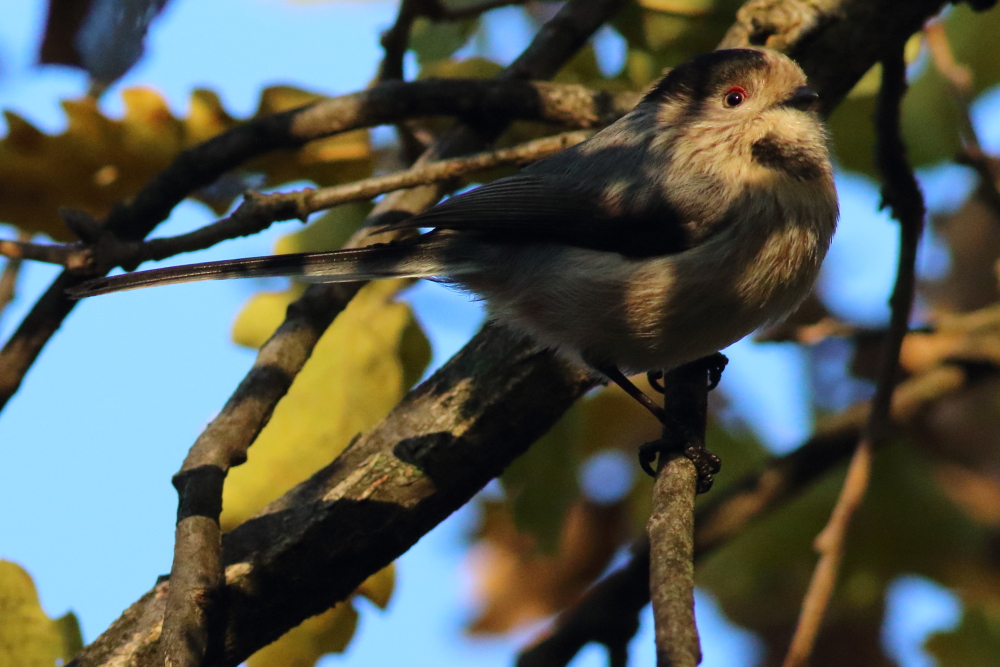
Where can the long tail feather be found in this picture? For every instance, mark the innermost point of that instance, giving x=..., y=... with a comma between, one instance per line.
x=411, y=260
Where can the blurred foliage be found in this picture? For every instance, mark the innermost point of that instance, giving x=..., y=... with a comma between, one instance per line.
x=930, y=114
x=29, y=638
x=98, y=161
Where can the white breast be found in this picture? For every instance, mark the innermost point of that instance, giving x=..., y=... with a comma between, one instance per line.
x=645, y=314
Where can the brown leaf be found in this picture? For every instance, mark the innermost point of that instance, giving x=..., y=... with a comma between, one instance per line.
x=99, y=161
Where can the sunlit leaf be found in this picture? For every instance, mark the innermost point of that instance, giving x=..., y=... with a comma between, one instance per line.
x=99, y=161
x=303, y=645
x=372, y=353
x=29, y=638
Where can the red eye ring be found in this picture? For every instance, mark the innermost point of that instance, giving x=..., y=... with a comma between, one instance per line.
x=735, y=96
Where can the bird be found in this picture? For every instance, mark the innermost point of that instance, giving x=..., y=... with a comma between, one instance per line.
x=698, y=217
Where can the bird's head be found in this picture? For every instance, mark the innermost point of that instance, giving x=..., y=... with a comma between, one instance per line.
x=742, y=110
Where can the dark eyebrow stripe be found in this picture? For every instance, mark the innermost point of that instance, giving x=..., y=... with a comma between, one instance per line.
x=697, y=77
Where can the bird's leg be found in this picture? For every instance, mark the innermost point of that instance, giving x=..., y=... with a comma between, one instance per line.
x=677, y=437
x=616, y=376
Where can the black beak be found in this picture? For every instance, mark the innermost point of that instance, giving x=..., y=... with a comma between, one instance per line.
x=803, y=98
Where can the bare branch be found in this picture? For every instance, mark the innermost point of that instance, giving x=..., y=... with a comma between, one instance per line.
x=671, y=521
x=69, y=255
x=314, y=546
x=901, y=194
x=258, y=212
x=11, y=271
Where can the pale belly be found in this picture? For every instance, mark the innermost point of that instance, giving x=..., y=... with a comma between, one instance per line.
x=649, y=314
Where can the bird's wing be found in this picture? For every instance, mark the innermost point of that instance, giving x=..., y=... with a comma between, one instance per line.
x=545, y=209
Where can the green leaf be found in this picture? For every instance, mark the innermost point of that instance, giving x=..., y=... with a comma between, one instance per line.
x=436, y=41
x=542, y=482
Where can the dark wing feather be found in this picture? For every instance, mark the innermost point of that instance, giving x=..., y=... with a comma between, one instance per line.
x=532, y=209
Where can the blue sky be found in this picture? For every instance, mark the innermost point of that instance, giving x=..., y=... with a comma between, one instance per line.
x=106, y=415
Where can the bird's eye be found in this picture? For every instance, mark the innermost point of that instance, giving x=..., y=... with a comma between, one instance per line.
x=735, y=96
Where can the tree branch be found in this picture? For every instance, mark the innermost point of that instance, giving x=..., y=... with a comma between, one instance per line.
x=200, y=166
x=11, y=271
x=901, y=194
x=258, y=211
x=671, y=521
x=433, y=452
x=608, y=612
x=194, y=598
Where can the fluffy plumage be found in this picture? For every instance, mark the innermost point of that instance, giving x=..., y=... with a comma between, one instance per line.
x=701, y=215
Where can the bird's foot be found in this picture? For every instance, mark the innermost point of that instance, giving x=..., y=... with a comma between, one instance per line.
x=714, y=365
x=706, y=464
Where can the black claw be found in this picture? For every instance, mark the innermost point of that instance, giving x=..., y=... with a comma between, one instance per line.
x=715, y=364
x=706, y=464
x=654, y=378
x=648, y=453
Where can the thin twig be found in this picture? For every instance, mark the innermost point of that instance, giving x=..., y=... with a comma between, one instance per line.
x=671, y=521
x=608, y=614
x=11, y=271
x=197, y=580
x=901, y=194
x=396, y=40
x=258, y=212
x=959, y=78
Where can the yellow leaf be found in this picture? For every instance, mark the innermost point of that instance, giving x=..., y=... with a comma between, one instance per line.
x=266, y=311
x=99, y=161
x=469, y=68
x=359, y=370
x=329, y=232
x=302, y=646
x=29, y=638
x=679, y=7
x=262, y=315
x=372, y=353
x=378, y=587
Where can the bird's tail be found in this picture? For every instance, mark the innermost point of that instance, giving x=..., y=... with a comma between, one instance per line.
x=399, y=260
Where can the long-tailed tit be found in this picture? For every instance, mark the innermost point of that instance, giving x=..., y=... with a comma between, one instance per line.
x=698, y=217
